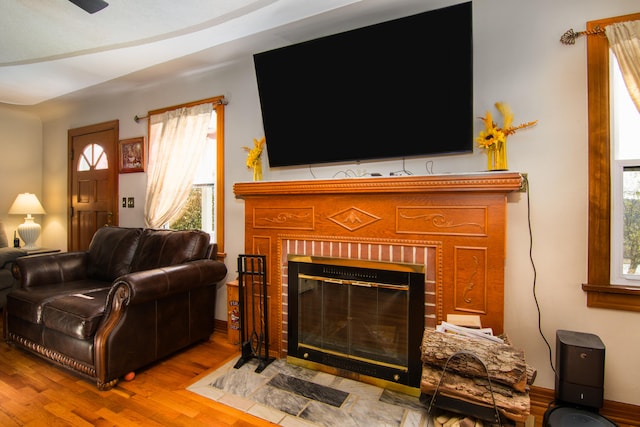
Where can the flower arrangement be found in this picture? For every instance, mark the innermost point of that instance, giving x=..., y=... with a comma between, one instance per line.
x=494, y=139
x=254, y=158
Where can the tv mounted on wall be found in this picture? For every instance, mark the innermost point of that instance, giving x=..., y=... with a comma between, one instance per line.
x=391, y=90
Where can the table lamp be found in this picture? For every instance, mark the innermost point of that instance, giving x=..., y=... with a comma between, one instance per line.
x=29, y=231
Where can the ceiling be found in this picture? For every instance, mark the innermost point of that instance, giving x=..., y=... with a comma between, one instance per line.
x=53, y=48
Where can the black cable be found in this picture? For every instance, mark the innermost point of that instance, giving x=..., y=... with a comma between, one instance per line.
x=403, y=171
x=429, y=167
x=535, y=275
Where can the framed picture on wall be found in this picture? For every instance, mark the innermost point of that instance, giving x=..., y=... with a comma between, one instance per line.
x=131, y=154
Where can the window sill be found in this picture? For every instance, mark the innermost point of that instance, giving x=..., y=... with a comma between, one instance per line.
x=615, y=297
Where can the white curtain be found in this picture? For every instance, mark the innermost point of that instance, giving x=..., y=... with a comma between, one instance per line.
x=624, y=40
x=176, y=143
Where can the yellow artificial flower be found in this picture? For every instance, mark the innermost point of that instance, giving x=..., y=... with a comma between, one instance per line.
x=507, y=115
x=255, y=153
x=492, y=136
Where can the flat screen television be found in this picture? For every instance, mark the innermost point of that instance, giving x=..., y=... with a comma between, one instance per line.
x=396, y=89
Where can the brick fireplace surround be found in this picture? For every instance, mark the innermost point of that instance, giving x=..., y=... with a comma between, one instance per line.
x=454, y=224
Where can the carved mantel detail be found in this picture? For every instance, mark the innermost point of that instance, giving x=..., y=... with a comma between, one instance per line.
x=461, y=217
x=353, y=218
x=290, y=218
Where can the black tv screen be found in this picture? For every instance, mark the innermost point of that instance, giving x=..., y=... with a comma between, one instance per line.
x=396, y=89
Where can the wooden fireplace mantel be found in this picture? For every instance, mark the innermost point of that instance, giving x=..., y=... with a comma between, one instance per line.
x=457, y=220
x=503, y=182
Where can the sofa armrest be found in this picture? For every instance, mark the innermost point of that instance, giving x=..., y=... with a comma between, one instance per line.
x=49, y=269
x=148, y=285
x=212, y=252
x=8, y=255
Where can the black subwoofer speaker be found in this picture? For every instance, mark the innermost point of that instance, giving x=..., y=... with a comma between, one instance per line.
x=579, y=369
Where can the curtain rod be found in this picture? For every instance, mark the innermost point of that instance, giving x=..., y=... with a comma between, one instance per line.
x=137, y=118
x=570, y=36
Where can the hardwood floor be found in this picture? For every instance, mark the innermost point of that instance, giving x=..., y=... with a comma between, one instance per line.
x=34, y=392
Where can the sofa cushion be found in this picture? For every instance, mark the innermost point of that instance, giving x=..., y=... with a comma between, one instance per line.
x=28, y=303
x=111, y=251
x=77, y=315
x=162, y=248
x=8, y=255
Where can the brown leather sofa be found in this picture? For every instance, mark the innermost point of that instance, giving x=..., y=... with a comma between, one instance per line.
x=135, y=296
x=7, y=256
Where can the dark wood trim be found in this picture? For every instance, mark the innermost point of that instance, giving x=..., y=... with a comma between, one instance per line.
x=599, y=167
x=220, y=326
x=600, y=292
x=219, y=187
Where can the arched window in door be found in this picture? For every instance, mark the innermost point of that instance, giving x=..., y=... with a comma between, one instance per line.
x=93, y=157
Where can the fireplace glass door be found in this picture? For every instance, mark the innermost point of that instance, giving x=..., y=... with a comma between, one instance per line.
x=360, y=320
x=359, y=316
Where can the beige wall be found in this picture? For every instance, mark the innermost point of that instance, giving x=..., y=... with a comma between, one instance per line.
x=21, y=162
x=518, y=59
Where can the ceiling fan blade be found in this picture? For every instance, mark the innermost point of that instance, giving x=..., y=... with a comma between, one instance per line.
x=91, y=6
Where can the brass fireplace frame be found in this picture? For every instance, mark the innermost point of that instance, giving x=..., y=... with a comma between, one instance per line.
x=364, y=274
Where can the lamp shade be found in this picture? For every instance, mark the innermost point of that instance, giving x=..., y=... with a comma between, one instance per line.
x=27, y=203
x=29, y=231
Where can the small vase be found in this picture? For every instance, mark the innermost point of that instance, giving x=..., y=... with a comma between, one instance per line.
x=497, y=158
x=257, y=170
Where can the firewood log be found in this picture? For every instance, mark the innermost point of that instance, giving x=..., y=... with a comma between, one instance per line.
x=516, y=406
x=505, y=364
x=531, y=374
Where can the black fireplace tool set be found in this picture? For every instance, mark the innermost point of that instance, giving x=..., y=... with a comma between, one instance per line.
x=254, y=319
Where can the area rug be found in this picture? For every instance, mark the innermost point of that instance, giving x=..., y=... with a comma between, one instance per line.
x=294, y=396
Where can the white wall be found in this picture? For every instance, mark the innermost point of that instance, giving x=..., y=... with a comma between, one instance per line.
x=519, y=60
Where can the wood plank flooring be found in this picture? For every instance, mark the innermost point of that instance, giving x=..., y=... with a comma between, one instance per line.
x=34, y=392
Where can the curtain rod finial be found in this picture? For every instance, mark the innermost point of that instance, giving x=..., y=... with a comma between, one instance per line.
x=569, y=37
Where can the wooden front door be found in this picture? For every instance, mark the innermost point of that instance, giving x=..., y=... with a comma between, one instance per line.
x=93, y=181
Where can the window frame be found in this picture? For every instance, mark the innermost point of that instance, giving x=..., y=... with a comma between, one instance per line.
x=617, y=224
x=219, y=103
x=600, y=292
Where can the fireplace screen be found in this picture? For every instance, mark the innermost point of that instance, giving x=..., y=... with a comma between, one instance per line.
x=362, y=316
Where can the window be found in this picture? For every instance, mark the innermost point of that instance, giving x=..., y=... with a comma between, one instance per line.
x=204, y=208
x=199, y=209
x=603, y=171
x=625, y=176
x=93, y=157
